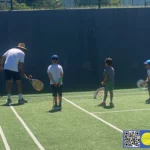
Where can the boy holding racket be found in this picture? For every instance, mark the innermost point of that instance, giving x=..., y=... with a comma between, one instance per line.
x=55, y=74
x=108, y=82
x=147, y=65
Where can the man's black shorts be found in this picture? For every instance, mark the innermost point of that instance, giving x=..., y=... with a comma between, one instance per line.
x=56, y=90
x=9, y=75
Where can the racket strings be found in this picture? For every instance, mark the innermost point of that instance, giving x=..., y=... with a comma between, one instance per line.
x=38, y=85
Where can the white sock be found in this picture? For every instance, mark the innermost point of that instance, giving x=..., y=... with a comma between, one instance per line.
x=9, y=96
x=20, y=96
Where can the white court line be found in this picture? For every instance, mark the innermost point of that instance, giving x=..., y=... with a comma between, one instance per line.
x=27, y=129
x=93, y=115
x=4, y=139
x=117, y=111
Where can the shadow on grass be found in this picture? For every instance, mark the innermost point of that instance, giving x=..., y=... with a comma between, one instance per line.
x=108, y=107
x=16, y=104
x=54, y=111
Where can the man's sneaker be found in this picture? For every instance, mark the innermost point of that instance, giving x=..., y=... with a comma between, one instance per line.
x=102, y=104
x=111, y=104
x=20, y=102
x=8, y=102
x=147, y=101
x=25, y=101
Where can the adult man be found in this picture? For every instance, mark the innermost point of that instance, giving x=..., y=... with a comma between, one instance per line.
x=55, y=74
x=14, y=60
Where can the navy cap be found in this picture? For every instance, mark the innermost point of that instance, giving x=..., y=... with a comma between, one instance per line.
x=147, y=62
x=54, y=58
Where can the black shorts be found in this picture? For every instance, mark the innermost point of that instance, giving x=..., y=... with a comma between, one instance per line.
x=56, y=90
x=12, y=75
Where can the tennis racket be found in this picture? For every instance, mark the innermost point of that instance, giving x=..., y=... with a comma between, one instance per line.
x=99, y=93
x=36, y=84
x=141, y=84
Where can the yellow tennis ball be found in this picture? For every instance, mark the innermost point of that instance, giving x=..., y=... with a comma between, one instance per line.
x=146, y=139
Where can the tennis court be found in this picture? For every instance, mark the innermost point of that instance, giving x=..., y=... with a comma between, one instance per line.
x=81, y=125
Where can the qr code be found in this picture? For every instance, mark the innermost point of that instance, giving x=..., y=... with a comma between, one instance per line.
x=131, y=139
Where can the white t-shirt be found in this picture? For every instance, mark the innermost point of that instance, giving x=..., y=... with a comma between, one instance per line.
x=13, y=57
x=56, y=71
x=148, y=72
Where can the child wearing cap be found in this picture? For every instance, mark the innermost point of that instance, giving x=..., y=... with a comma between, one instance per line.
x=55, y=74
x=147, y=65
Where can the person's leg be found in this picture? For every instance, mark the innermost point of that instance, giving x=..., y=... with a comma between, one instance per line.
x=111, y=95
x=9, y=82
x=60, y=96
x=19, y=87
x=111, y=98
x=105, y=97
x=17, y=78
x=148, y=100
x=8, y=90
x=54, y=92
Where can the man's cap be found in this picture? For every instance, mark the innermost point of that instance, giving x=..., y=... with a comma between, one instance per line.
x=22, y=46
x=54, y=58
x=147, y=62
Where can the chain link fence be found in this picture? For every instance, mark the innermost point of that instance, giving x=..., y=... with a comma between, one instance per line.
x=69, y=4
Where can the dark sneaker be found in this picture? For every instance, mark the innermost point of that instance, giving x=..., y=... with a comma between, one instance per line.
x=112, y=104
x=102, y=104
x=8, y=102
x=59, y=108
x=55, y=107
x=25, y=101
x=147, y=101
x=20, y=102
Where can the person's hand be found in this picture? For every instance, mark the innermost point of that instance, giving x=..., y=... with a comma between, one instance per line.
x=102, y=83
x=1, y=68
x=24, y=76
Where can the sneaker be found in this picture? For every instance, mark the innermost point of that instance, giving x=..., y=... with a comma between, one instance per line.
x=59, y=108
x=25, y=101
x=55, y=107
x=8, y=102
x=102, y=104
x=111, y=104
x=20, y=102
x=147, y=101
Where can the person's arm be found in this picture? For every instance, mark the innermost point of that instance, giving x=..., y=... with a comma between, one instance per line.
x=61, y=75
x=21, y=68
x=2, y=59
x=148, y=76
x=21, y=63
x=51, y=77
x=105, y=78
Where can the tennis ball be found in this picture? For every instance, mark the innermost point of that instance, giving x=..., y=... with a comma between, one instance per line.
x=146, y=139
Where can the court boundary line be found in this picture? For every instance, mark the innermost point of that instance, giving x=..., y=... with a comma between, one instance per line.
x=27, y=129
x=7, y=147
x=93, y=115
x=119, y=111
x=73, y=95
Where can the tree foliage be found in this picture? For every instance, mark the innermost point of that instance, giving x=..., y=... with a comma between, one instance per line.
x=54, y=4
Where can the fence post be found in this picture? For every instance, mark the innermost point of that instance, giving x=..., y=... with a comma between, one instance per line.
x=11, y=4
x=99, y=4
